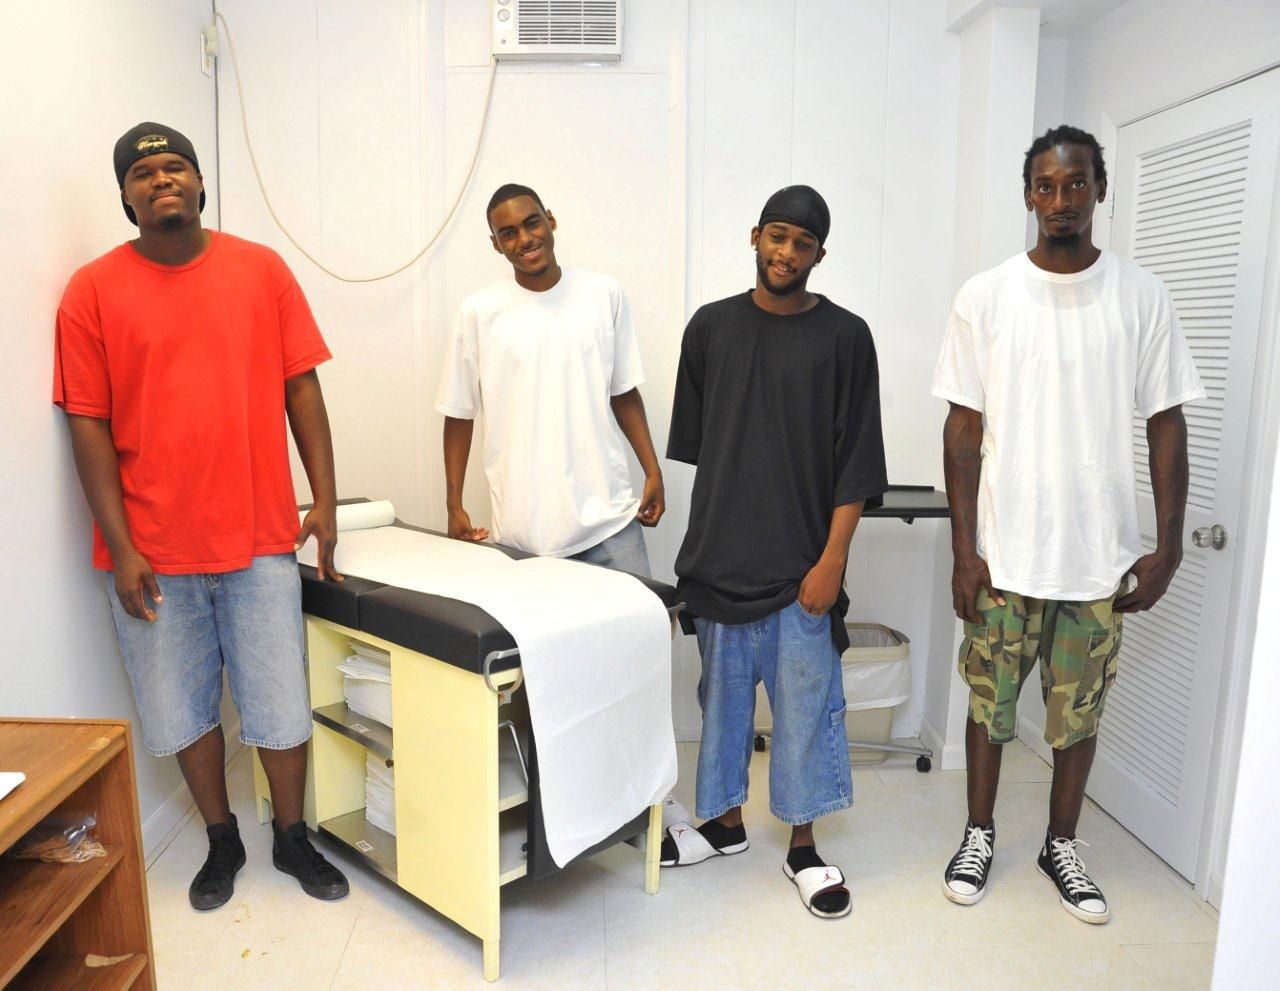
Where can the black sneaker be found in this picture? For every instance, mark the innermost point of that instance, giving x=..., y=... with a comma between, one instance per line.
x=215, y=882
x=1061, y=864
x=965, y=880
x=293, y=853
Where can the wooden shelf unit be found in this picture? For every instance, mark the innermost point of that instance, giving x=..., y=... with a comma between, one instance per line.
x=55, y=919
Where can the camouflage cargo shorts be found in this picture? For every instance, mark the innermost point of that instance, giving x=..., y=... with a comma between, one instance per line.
x=1077, y=645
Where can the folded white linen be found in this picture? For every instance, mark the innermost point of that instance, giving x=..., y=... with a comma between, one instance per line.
x=596, y=652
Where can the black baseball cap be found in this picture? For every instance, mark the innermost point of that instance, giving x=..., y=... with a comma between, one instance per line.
x=150, y=138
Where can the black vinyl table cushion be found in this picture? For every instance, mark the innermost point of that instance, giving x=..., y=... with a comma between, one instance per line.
x=456, y=632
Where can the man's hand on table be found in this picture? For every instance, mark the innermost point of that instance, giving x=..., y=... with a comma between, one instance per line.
x=460, y=527
x=321, y=522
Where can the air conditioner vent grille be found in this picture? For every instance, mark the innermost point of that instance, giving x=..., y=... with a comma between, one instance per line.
x=567, y=22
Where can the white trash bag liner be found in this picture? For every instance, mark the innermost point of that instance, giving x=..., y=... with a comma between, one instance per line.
x=876, y=670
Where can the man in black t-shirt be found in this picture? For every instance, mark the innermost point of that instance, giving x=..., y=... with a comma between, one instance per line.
x=777, y=404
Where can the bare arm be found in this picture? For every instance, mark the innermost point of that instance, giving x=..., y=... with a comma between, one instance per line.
x=1167, y=441
x=821, y=586
x=962, y=463
x=628, y=409
x=457, y=448
x=304, y=403
x=99, y=471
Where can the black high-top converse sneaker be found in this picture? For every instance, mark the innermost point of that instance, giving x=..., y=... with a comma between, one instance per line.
x=965, y=880
x=293, y=853
x=216, y=880
x=1061, y=864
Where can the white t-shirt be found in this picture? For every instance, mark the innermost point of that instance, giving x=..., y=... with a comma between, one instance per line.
x=1056, y=364
x=543, y=367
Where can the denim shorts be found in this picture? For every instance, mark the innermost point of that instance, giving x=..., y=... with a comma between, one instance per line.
x=791, y=651
x=248, y=620
x=624, y=551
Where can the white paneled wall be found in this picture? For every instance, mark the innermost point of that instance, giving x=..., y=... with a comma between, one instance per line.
x=331, y=91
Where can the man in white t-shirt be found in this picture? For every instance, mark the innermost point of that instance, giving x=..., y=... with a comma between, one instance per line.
x=551, y=358
x=1045, y=359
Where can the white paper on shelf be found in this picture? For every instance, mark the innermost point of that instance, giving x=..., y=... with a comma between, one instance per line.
x=374, y=655
x=380, y=794
x=370, y=700
x=366, y=683
x=595, y=647
x=359, y=668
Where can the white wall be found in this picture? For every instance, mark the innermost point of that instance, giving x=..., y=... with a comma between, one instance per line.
x=1248, y=955
x=332, y=95
x=76, y=76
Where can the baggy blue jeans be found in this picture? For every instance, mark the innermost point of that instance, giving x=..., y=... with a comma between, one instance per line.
x=791, y=651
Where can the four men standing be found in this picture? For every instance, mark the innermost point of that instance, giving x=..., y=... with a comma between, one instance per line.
x=180, y=355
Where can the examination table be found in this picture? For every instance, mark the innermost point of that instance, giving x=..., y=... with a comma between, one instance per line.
x=467, y=802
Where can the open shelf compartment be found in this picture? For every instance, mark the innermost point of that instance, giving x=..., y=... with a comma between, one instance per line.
x=363, y=840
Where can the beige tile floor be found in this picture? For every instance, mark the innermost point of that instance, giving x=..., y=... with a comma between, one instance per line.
x=730, y=923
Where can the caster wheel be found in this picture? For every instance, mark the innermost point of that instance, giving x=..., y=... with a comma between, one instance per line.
x=924, y=765
x=759, y=744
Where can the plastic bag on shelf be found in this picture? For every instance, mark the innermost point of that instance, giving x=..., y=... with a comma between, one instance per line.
x=61, y=839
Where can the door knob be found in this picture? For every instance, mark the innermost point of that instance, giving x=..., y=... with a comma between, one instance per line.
x=1210, y=536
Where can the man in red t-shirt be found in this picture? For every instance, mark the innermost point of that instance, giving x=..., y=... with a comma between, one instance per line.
x=178, y=357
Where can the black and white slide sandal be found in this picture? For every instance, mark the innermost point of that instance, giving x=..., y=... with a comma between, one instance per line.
x=685, y=844
x=813, y=882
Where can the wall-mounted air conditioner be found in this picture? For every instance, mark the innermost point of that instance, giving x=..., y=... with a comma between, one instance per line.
x=557, y=30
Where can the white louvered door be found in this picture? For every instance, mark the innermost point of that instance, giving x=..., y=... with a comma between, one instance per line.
x=1193, y=197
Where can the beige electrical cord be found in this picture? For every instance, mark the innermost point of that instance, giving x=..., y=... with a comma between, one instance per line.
x=257, y=174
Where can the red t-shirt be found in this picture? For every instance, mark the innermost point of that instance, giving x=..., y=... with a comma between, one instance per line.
x=189, y=362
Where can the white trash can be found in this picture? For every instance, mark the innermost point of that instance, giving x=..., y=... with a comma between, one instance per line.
x=877, y=676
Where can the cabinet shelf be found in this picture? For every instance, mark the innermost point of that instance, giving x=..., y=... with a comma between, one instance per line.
x=36, y=898
x=63, y=973
x=512, y=788
x=513, y=833
x=369, y=733
x=73, y=927
x=363, y=840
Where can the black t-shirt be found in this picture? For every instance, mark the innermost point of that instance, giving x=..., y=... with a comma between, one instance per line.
x=781, y=415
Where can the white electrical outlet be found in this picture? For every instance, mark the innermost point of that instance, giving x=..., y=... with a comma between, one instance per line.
x=208, y=51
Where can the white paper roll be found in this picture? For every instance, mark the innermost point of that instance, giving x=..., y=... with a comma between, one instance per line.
x=363, y=515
